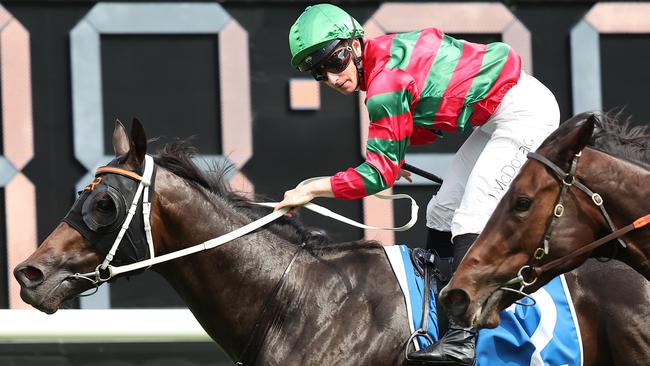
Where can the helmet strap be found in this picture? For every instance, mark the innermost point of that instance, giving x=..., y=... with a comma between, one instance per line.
x=355, y=58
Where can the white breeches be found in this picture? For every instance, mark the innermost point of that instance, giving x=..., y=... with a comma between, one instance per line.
x=482, y=169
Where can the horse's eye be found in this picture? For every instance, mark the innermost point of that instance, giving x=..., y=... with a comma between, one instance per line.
x=100, y=209
x=105, y=205
x=523, y=204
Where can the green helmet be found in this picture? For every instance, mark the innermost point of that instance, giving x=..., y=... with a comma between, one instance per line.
x=315, y=30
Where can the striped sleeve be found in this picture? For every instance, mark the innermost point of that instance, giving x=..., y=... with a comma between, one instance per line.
x=389, y=101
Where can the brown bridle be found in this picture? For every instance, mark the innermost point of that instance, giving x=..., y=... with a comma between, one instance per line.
x=119, y=171
x=528, y=274
x=637, y=224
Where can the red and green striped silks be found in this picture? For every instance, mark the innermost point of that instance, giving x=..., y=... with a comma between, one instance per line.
x=418, y=82
x=390, y=128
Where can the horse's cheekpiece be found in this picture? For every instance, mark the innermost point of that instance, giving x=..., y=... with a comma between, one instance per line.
x=99, y=212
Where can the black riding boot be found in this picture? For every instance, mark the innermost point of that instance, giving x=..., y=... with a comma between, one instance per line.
x=462, y=243
x=458, y=345
x=440, y=242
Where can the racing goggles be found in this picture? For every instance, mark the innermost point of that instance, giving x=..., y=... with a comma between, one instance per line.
x=334, y=63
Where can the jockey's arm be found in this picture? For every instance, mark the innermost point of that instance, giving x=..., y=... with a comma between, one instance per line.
x=389, y=99
x=303, y=194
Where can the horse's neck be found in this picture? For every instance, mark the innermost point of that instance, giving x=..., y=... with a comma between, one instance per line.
x=225, y=287
x=626, y=193
x=622, y=184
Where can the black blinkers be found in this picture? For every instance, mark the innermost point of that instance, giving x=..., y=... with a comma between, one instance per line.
x=104, y=209
x=101, y=209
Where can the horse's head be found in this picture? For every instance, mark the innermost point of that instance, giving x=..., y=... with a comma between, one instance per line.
x=516, y=231
x=83, y=238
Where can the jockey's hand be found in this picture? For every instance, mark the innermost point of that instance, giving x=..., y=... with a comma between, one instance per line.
x=404, y=174
x=295, y=198
x=304, y=193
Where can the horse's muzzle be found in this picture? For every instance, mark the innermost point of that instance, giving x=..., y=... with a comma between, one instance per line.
x=456, y=301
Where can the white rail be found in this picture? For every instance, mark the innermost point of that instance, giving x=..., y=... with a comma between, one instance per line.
x=115, y=325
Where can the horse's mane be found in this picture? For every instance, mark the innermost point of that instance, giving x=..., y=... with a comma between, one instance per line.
x=615, y=136
x=177, y=158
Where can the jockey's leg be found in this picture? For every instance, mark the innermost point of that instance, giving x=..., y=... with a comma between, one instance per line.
x=525, y=117
x=458, y=345
x=440, y=212
x=462, y=243
x=440, y=242
x=443, y=205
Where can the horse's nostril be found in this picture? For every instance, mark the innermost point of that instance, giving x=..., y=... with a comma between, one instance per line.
x=455, y=298
x=29, y=276
x=456, y=301
x=32, y=273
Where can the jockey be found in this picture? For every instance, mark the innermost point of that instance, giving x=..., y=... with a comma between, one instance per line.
x=420, y=85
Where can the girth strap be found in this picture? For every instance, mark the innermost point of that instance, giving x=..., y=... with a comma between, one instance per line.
x=247, y=358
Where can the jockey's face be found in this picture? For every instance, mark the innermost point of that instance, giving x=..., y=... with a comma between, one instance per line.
x=346, y=81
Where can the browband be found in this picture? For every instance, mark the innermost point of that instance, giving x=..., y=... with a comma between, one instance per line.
x=123, y=172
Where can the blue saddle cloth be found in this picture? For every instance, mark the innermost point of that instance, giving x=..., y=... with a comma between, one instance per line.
x=544, y=334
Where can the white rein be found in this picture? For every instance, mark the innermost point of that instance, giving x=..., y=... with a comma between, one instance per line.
x=143, y=189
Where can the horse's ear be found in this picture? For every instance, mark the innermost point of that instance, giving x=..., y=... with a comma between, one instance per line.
x=120, y=139
x=138, y=144
x=570, y=138
x=586, y=131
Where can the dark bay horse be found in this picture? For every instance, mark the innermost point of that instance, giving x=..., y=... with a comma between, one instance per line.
x=545, y=218
x=277, y=296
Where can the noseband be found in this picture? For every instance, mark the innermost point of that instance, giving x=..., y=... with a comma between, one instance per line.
x=528, y=274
